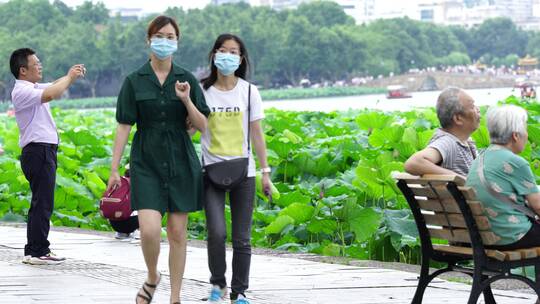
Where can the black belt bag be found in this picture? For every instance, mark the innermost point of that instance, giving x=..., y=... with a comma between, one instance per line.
x=227, y=174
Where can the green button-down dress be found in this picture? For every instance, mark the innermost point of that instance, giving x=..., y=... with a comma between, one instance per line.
x=164, y=167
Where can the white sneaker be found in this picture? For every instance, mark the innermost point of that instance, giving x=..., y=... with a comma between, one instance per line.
x=136, y=234
x=121, y=236
x=217, y=294
x=48, y=259
x=26, y=259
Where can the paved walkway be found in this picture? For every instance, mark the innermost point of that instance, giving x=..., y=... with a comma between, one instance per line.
x=101, y=269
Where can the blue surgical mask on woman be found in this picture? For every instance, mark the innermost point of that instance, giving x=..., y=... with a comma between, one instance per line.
x=163, y=47
x=226, y=63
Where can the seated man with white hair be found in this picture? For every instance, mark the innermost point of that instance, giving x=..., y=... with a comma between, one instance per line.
x=502, y=178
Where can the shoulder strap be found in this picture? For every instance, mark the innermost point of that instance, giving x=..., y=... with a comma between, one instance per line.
x=249, y=119
x=473, y=152
x=509, y=201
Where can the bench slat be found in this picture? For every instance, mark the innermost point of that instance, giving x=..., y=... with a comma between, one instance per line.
x=495, y=254
x=462, y=235
x=450, y=206
x=442, y=192
x=456, y=220
x=435, y=178
x=528, y=253
x=512, y=255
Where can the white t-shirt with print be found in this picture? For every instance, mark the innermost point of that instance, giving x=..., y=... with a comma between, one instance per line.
x=226, y=135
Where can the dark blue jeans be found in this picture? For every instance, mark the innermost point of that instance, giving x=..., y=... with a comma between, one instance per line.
x=241, y=201
x=38, y=163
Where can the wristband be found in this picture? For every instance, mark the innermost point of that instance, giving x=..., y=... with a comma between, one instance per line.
x=266, y=170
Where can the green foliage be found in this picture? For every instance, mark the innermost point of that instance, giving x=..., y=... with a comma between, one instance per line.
x=454, y=58
x=332, y=185
x=80, y=181
x=334, y=194
x=497, y=37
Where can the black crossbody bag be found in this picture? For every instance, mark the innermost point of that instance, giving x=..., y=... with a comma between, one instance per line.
x=228, y=174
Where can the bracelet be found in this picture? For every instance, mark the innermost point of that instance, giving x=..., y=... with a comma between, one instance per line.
x=266, y=170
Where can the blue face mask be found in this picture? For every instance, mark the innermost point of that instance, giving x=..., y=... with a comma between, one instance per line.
x=163, y=47
x=226, y=63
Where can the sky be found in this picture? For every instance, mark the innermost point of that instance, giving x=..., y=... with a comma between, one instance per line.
x=146, y=5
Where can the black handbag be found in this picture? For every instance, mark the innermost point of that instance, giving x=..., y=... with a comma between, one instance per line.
x=228, y=174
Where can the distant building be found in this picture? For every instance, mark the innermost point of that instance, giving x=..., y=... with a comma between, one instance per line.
x=128, y=14
x=370, y=10
x=525, y=13
x=275, y=4
x=353, y=8
x=286, y=4
x=220, y=2
x=438, y=11
x=264, y=2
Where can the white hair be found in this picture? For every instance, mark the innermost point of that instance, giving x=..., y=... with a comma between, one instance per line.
x=503, y=121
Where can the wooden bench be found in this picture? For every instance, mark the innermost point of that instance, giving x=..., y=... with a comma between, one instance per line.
x=443, y=208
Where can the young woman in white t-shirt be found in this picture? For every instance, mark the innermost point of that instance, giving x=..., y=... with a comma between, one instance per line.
x=226, y=94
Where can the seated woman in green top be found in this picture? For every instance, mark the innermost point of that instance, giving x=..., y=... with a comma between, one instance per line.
x=165, y=170
x=510, y=175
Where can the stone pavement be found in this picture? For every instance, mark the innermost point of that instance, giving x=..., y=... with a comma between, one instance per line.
x=101, y=269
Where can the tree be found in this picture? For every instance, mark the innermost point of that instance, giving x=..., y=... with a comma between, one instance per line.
x=323, y=14
x=533, y=44
x=63, y=8
x=454, y=58
x=95, y=14
x=442, y=41
x=82, y=36
x=23, y=15
x=498, y=37
x=464, y=36
x=409, y=45
x=508, y=61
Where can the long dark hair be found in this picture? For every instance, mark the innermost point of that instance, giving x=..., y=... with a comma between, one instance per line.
x=242, y=69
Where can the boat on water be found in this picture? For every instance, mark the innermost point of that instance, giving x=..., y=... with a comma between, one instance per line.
x=527, y=88
x=397, y=91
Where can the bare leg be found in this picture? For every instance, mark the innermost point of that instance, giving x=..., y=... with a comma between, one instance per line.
x=150, y=228
x=177, y=235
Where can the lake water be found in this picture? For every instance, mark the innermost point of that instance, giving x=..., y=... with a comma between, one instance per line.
x=380, y=102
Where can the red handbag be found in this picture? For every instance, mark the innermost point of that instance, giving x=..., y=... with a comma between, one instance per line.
x=115, y=204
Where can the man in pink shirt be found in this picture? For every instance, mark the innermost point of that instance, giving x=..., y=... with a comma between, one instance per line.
x=38, y=139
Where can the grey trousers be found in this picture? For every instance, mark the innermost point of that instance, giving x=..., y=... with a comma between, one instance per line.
x=241, y=202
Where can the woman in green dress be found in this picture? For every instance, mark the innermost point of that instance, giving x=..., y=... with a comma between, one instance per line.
x=165, y=171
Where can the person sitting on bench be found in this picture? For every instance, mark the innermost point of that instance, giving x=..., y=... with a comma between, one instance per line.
x=504, y=181
x=450, y=150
